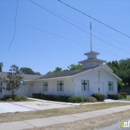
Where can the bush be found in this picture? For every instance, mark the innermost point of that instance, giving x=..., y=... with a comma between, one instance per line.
x=99, y=97
x=36, y=95
x=92, y=99
x=120, y=96
x=115, y=96
x=85, y=99
x=6, y=97
x=123, y=94
x=42, y=96
x=62, y=98
x=24, y=97
x=76, y=99
x=16, y=98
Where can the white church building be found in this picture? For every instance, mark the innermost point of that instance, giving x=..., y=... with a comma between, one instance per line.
x=93, y=77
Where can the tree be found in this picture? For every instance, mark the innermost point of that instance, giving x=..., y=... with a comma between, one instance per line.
x=70, y=67
x=121, y=69
x=49, y=72
x=26, y=70
x=57, y=69
x=74, y=66
x=13, y=79
x=37, y=73
x=1, y=65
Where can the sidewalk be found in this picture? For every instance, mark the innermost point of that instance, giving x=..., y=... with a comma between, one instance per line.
x=26, y=124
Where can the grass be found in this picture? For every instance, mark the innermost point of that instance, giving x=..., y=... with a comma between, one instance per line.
x=28, y=100
x=90, y=124
x=127, y=98
x=9, y=117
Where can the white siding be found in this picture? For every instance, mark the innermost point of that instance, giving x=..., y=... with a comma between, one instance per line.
x=52, y=87
x=92, y=76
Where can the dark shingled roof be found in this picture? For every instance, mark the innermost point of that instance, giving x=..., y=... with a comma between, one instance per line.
x=25, y=76
x=64, y=73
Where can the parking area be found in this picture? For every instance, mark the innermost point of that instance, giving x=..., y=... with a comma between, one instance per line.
x=33, y=106
x=9, y=107
x=43, y=104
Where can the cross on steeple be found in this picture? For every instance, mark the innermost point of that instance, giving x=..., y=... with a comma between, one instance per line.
x=84, y=84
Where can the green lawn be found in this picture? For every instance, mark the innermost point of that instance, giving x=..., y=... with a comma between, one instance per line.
x=127, y=98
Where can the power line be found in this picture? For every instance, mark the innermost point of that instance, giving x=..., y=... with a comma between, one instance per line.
x=76, y=26
x=50, y=33
x=89, y=27
x=14, y=25
x=94, y=19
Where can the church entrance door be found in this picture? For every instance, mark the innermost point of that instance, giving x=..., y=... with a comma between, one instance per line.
x=99, y=87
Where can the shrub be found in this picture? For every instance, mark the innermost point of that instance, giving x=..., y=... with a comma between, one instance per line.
x=92, y=99
x=36, y=95
x=76, y=99
x=42, y=96
x=6, y=97
x=99, y=97
x=16, y=98
x=123, y=94
x=24, y=97
x=85, y=99
x=115, y=96
x=9, y=99
x=62, y=98
x=120, y=96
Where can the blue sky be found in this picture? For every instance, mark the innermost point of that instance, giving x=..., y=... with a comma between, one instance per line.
x=42, y=51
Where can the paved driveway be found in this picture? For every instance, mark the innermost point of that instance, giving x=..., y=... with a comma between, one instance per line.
x=9, y=107
x=33, y=106
x=43, y=104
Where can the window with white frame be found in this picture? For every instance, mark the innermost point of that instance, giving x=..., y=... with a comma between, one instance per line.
x=85, y=85
x=110, y=86
x=60, y=85
x=45, y=86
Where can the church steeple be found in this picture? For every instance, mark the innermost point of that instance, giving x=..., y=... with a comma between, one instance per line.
x=91, y=60
x=90, y=37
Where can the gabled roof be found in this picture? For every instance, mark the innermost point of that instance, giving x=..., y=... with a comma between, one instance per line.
x=64, y=73
x=72, y=73
x=92, y=59
x=26, y=77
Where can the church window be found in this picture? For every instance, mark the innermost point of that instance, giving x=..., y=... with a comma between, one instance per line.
x=45, y=86
x=85, y=85
x=60, y=85
x=110, y=86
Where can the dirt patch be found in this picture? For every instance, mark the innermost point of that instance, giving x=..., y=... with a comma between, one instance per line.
x=9, y=117
x=89, y=124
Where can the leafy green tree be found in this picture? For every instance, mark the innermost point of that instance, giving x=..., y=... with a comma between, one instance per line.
x=57, y=69
x=1, y=65
x=26, y=70
x=74, y=66
x=13, y=79
x=37, y=73
x=121, y=69
x=70, y=67
x=49, y=72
